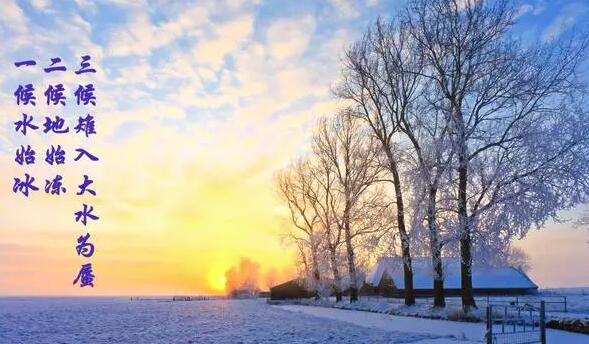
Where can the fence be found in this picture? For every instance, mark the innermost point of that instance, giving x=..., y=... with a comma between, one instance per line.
x=515, y=324
x=552, y=303
x=178, y=298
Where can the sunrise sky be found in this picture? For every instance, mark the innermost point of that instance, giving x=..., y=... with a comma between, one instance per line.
x=198, y=105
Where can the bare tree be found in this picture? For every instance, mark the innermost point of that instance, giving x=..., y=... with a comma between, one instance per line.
x=378, y=104
x=293, y=185
x=344, y=147
x=484, y=136
x=384, y=77
x=422, y=124
x=505, y=103
x=325, y=201
x=517, y=258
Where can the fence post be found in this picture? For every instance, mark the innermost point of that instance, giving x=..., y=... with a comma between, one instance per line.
x=542, y=323
x=489, y=334
x=565, y=304
x=504, y=320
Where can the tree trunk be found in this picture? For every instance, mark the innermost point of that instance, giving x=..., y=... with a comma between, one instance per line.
x=436, y=250
x=351, y=267
x=351, y=259
x=465, y=237
x=316, y=273
x=336, y=275
x=466, y=273
x=405, y=247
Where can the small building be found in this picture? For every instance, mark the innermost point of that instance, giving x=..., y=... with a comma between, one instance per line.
x=293, y=289
x=486, y=280
x=264, y=294
x=244, y=293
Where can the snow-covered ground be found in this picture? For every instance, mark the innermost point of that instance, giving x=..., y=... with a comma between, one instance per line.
x=111, y=320
x=107, y=320
x=577, y=304
x=466, y=332
x=577, y=298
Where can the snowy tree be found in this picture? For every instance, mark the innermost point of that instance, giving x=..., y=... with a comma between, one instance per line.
x=293, y=185
x=490, y=134
x=363, y=85
x=325, y=200
x=343, y=146
x=336, y=202
x=385, y=79
x=518, y=120
x=483, y=137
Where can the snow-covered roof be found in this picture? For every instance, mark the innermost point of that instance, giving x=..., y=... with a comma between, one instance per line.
x=482, y=276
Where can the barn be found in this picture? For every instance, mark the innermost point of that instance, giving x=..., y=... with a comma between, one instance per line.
x=293, y=289
x=487, y=280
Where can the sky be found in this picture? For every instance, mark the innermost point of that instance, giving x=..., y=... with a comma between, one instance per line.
x=198, y=105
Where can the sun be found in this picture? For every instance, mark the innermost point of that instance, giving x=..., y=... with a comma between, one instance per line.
x=222, y=280
x=217, y=283
x=216, y=279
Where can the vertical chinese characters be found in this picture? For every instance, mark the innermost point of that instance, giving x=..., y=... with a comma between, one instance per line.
x=57, y=96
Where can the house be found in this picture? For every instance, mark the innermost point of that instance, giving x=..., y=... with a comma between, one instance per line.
x=486, y=280
x=244, y=293
x=293, y=289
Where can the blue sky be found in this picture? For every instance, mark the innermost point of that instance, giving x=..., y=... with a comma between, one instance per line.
x=192, y=54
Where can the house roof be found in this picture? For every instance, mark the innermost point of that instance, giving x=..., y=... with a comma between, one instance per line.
x=488, y=277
